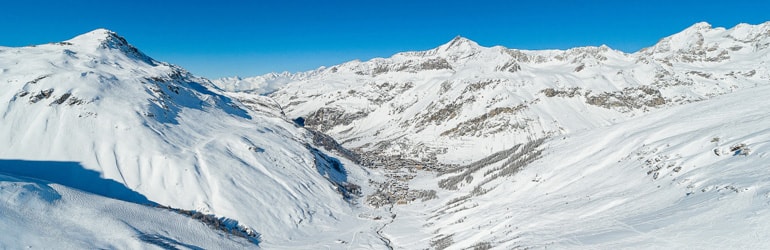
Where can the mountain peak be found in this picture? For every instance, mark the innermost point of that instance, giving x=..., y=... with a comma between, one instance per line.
x=98, y=37
x=459, y=43
x=107, y=39
x=700, y=26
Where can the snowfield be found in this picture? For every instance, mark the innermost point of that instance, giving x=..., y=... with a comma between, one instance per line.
x=148, y=132
x=459, y=147
x=37, y=214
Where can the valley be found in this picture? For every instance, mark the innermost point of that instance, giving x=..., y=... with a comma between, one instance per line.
x=457, y=147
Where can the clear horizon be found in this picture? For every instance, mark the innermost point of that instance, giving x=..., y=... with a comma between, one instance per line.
x=240, y=38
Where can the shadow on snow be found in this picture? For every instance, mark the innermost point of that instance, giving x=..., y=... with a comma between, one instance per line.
x=72, y=174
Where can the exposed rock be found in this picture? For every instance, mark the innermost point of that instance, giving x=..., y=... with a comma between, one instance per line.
x=43, y=94
x=327, y=118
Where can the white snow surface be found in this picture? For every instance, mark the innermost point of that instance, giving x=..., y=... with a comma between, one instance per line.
x=135, y=129
x=37, y=214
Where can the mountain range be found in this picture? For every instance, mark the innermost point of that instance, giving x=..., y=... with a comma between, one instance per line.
x=458, y=147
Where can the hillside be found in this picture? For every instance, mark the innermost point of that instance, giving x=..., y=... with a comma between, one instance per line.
x=151, y=133
x=692, y=176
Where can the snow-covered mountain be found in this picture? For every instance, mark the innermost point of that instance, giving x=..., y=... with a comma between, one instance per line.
x=95, y=114
x=582, y=148
x=458, y=147
x=461, y=101
x=263, y=84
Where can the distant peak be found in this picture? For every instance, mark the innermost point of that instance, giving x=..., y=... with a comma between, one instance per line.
x=700, y=26
x=741, y=26
x=690, y=33
x=459, y=43
x=102, y=32
x=460, y=39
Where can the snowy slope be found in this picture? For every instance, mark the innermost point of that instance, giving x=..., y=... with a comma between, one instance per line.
x=693, y=176
x=145, y=131
x=37, y=214
x=444, y=104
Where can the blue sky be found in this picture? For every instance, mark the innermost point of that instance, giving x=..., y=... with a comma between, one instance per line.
x=247, y=38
